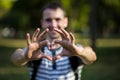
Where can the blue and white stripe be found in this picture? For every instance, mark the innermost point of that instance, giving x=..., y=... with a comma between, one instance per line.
x=63, y=69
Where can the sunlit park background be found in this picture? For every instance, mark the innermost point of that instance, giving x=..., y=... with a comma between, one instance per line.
x=94, y=22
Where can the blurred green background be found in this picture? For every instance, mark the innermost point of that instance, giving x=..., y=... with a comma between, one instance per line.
x=94, y=22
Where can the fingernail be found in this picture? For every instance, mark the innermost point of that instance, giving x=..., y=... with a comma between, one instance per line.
x=38, y=28
x=47, y=29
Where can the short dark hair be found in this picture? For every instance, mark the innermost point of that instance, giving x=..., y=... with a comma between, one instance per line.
x=54, y=6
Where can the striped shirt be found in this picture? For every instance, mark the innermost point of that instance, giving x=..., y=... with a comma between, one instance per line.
x=63, y=70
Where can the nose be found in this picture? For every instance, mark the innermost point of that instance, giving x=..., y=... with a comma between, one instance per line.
x=53, y=23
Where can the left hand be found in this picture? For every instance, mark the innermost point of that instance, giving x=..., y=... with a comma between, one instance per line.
x=68, y=43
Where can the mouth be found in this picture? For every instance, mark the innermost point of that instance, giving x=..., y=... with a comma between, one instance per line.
x=52, y=30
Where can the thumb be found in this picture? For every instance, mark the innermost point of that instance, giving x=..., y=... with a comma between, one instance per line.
x=58, y=57
x=58, y=41
x=44, y=43
x=47, y=57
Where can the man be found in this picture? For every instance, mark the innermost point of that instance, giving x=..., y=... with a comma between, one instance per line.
x=54, y=53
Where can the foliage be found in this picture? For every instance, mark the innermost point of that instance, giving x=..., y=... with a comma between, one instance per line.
x=24, y=15
x=5, y=6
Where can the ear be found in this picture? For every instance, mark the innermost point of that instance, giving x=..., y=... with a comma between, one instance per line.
x=65, y=22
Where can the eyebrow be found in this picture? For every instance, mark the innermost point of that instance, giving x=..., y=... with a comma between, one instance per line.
x=48, y=19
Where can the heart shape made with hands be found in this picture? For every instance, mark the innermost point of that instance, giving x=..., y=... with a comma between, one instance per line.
x=64, y=52
x=55, y=57
x=37, y=42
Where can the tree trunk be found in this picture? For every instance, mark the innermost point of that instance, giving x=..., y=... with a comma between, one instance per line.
x=93, y=22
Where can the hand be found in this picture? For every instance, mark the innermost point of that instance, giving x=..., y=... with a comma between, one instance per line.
x=68, y=43
x=34, y=46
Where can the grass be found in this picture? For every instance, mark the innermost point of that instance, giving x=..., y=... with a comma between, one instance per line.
x=106, y=67
x=99, y=42
x=8, y=71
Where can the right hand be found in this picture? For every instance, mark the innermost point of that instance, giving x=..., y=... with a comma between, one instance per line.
x=34, y=46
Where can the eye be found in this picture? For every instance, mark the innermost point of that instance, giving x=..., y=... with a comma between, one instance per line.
x=48, y=20
x=58, y=19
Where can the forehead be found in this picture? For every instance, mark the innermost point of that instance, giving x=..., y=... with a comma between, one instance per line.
x=53, y=13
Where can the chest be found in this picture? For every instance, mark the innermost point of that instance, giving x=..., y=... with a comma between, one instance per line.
x=60, y=64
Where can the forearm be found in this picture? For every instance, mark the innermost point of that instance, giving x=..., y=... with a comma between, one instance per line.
x=86, y=54
x=18, y=57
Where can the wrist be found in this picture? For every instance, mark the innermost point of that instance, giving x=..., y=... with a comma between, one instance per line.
x=79, y=50
x=25, y=53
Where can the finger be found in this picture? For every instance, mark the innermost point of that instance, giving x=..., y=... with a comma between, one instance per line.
x=44, y=43
x=57, y=57
x=47, y=56
x=72, y=37
x=58, y=42
x=35, y=35
x=65, y=32
x=28, y=39
x=41, y=36
x=60, y=32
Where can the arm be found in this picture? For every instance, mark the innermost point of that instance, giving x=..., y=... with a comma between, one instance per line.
x=86, y=54
x=18, y=57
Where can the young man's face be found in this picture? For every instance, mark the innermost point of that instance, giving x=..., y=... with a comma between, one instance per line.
x=54, y=19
